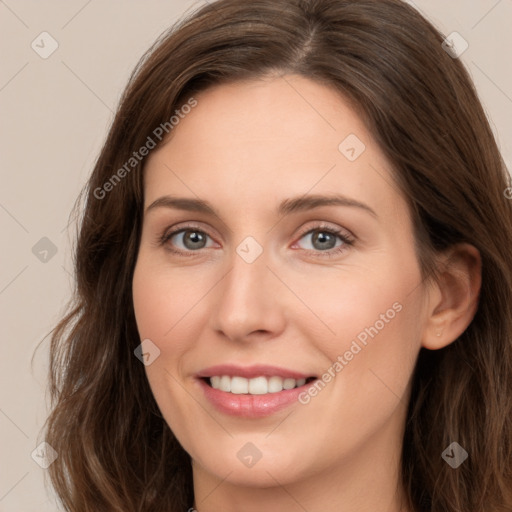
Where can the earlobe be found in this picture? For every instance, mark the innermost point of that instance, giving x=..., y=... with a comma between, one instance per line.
x=454, y=297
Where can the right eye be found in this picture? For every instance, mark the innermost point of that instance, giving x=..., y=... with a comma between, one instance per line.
x=186, y=240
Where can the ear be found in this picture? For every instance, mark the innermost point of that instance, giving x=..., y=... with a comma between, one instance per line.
x=453, y=297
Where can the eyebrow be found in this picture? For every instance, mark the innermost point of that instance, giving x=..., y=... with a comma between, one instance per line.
x=286, y=207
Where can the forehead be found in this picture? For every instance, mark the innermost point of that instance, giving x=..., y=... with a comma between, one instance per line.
x=253, y=143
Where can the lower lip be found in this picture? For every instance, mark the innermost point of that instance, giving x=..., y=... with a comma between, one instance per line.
x=252, y=406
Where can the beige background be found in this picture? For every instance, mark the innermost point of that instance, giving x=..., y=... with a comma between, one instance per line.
x=54, y=117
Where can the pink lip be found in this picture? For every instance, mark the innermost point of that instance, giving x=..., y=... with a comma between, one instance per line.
x=250, y=406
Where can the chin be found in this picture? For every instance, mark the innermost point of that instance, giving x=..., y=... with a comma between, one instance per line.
x=243, y=462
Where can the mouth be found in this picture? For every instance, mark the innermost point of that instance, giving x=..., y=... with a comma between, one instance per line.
x=260, y=385
x=252, y=392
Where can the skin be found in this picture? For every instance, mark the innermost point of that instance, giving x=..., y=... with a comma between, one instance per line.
x=245, y=148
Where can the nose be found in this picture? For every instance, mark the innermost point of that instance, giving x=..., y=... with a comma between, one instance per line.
x=250, y=302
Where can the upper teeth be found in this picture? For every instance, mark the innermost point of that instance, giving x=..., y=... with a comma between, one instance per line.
x=256, y=386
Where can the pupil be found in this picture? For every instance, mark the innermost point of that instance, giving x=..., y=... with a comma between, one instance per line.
x=194, y=240
x=325, y=240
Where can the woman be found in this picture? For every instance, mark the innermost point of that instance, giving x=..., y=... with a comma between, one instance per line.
x=293, y=276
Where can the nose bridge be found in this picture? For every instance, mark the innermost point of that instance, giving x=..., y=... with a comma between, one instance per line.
x=247, y=280
x=248, y=300
x=248, y=262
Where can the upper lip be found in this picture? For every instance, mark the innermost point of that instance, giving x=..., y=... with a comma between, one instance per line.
x=250, y=372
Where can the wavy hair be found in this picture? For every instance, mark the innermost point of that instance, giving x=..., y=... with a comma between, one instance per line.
x=116, y=452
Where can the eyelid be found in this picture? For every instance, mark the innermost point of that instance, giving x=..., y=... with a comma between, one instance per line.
x=321, y=224
x=184, y=226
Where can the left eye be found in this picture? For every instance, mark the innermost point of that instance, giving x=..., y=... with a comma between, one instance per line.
x=324, y=239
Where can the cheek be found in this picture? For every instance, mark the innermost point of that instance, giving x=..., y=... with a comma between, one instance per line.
x=364, y=304
x=375, y=318
x=163, y=298
x=161, y=303
x=161, y=315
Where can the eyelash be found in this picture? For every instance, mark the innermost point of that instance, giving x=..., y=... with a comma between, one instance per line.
x=346, y=239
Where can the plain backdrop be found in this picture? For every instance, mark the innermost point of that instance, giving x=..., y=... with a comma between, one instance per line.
x=54, y=115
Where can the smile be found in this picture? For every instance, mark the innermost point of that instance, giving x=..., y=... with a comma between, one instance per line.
x=256, y=386
x=251, y=392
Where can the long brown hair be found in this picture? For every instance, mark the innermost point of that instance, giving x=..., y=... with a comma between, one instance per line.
x=116, y=452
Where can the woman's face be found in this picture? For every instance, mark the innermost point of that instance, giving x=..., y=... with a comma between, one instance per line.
x=265, y=283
